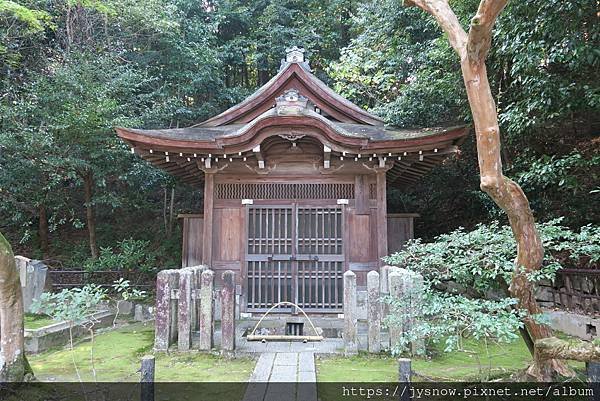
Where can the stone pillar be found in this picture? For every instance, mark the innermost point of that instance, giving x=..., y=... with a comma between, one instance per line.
x=404, y=377
x=395, y=287
x=383, y=273
x=147, y=378
x=184, y=310
x=205, y=316
x=228, y=312
x=408, y=286
x=32, y=274
x=373, y=312
x=195, y=305
x=384, y=288
x=166, y=281
x=350, y=320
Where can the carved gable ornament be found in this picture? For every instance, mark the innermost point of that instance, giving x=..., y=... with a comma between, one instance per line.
x=291, y=103
x=294, y=55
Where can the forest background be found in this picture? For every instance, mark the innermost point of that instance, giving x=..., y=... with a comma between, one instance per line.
x=71, y=70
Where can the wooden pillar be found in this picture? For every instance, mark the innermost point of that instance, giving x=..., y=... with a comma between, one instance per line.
x=381, y=220
x=209, y=186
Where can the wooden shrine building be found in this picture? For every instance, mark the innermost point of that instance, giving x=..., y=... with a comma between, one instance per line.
x=295, y=180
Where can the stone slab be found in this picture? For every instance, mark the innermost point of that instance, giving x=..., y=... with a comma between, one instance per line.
x=286, y=359
x=306, y=362
x=284, y=374
x=307, y=377
x=263, y=368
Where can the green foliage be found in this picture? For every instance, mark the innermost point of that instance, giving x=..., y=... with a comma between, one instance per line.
x=73, y=305
x=123, y=288
x=451, y=319
x=70, y=71
x=466, y=276
x=130, y=255
x=483, y=259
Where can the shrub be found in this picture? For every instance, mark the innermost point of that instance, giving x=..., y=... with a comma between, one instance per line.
x=465, y=281
x=130, y=255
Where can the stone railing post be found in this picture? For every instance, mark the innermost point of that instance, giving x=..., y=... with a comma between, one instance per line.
x=165, y=326
x=32, y=274
x=228, y=312
x=395, y=288
x=373, y=312
x=195, y=301
x=408, y=286
x=184, y=310
x=350, y=318
x=205, y=316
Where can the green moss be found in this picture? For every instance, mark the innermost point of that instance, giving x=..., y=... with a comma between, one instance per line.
x=117, y=357
x=33, y=321
x=474, y=365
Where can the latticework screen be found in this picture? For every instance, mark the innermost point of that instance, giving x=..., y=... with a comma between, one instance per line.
x=284, y=191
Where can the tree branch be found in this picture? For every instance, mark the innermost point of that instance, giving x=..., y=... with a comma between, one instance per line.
x=442, y=12
x=480, y=32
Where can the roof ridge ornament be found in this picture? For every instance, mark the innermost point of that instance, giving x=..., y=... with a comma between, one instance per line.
x=295, y=55
x=291, y=103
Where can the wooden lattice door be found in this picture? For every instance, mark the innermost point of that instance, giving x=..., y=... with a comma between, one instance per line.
x=295, y=254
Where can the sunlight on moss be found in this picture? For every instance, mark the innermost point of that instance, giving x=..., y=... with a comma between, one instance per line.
x=117, y=356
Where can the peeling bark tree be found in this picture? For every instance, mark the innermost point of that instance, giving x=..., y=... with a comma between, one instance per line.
x=473, y=48
x=555, y=348
x=13, y=364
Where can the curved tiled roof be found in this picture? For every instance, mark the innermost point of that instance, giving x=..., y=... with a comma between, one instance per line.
x=296, y=102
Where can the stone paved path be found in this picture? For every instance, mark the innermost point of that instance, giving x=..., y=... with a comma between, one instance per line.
x=283, y=376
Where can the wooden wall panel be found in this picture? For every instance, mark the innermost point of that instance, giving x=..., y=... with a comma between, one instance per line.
x=227, y=234
x=191, y=252
x=359, y=248
x=400, y=228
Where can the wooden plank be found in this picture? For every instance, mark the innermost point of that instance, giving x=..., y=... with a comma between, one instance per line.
x=361, y=194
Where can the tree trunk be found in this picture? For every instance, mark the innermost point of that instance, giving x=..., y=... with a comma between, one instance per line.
x=88, y=184
x=472, y=48
x=43, y=232
x=510, y=197
x=554, y=348
x=13, y=363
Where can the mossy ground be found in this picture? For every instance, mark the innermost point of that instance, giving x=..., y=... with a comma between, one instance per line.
x=117, y=355
x=474, y=365
x=33, y=321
